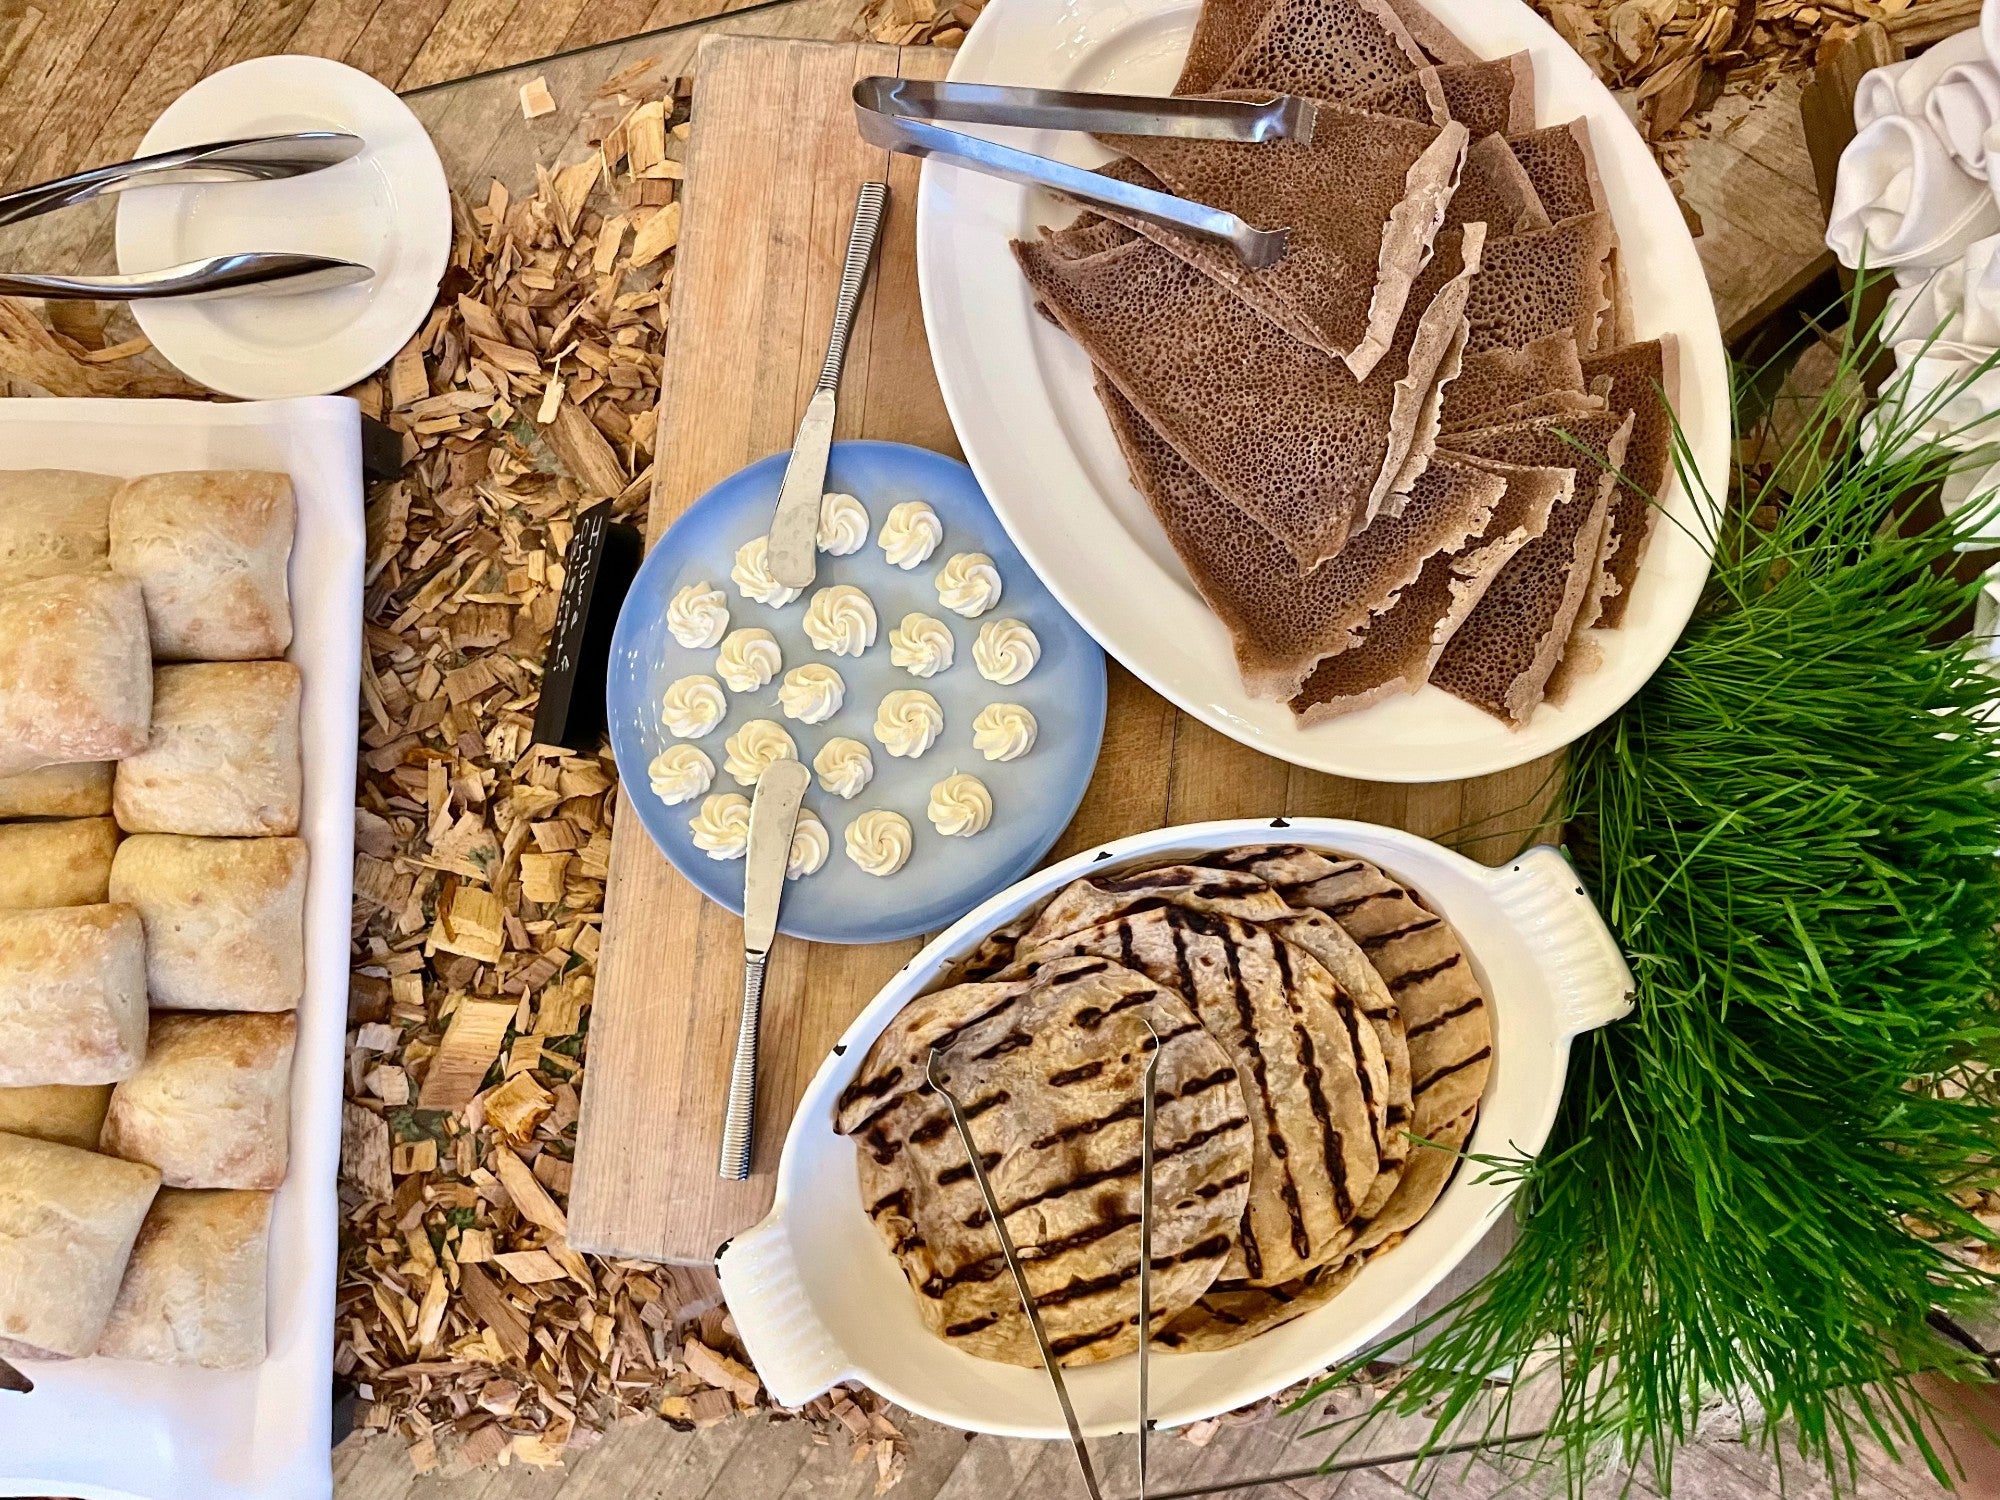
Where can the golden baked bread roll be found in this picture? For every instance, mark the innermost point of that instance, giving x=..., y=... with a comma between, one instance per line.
x=52, y=521
x=67, y=1222
x=224, y=756
x=64, y=863
x=69, y=1114
x=80, y=789
x=72, y=995
x=225, y=918
x=211, y=1106
x=194, y=1289
x=76, y=673
x=210, y=550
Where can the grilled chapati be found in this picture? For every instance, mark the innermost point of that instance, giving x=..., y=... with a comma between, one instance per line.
x=1234, y=1312
x=1048, y=1070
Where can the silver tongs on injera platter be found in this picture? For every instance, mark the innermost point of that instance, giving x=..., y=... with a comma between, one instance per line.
x=936, y=1075
x=898, y=114
x=265, y=158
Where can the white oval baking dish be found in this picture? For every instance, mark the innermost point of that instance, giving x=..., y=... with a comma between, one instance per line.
x=818, y=1299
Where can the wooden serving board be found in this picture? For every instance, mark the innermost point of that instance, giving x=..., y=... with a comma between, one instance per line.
x=772, y=169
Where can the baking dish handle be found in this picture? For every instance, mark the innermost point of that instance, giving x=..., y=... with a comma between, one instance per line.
x=1588, y=978
x=794, y=1351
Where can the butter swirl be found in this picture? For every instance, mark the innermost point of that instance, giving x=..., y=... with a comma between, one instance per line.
x=680, y=773
x=908, y=722
x=843, y=525
x=969, y=584
x=960, y=806
x=812, y=694
x=879, y=842
x=698, y=615
x=748, y=659
x=910, y=535
x=845, y=766
x=755, y=746
x=810, y=846
x=752, y=575
x=721, y=829
x=922, y=645
x=841, y=619
x=1006, y=651
x=692, y=706
x=1004, y=731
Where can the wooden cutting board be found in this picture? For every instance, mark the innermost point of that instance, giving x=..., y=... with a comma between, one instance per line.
x=772, y=169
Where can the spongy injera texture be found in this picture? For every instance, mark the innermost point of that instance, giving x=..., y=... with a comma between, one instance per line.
x=1501, y=658
x=1324, y=49
x=1362, y=200
x=1282, y=623
x=1639, y=381
x=1494, y=191
x=1558, y=161
x=1494, y=379
x=1547, y=281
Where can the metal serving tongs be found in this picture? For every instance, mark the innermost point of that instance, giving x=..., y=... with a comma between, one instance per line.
x=256, y=159
x=897, y=113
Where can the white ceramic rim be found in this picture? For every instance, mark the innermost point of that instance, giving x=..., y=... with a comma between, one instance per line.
x=1018, y=394
x=323, y=341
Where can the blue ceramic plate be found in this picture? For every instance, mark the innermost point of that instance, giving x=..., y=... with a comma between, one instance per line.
x=1033, y=797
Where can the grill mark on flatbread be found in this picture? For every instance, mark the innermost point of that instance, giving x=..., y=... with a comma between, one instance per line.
x=1093, y=1016
x=1416, y=977
x=1330, y=1140
x=1110, y=1282
x=1118, y=1170
x=1478, y=1056
x=1246, y=1016
x=1078, y=1074
x=1465, y=1008
x=960, y=1173
x=1082, y=971
x=1347, y=908
x=1382, y=940
x=1131, y=1109
x=1076, y=1341
x=970, y=1325
x=934, y=1129
x=1013, y=1041
x=994, y=1265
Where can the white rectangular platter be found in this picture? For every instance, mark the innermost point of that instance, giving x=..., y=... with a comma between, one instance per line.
x=99, y=1427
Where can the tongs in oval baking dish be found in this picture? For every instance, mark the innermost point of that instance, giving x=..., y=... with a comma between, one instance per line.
x=899, y=114
x=256, y=159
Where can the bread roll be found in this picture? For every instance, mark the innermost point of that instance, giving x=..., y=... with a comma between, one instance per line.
x=81, y=789
x=67, y=1222
x=71, y=1116
x=210, y=551
x=194, y=1290
x=211, y=1105
x=76, y=674
x=72, y=995
x=224, y=757
x=64, y=863
x=52, y=521
x=225, y=919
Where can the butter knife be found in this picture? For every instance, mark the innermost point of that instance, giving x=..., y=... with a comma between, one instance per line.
x=774, y=811
x=794, y=537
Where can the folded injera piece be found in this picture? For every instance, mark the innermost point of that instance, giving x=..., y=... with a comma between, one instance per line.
x=1363, y=201
x=1549, y=281
x=1283, y=623
x=1048, y=1071
x=1443, y=1002
x=1401, y=646
x=1324, y=49
x=1644, y=380
x=1280, y=430
x=1502, y=656
x=1437, y=40
x=1494, y=191
x=1485, y=97
x=1494, y=379
x=1559, y=161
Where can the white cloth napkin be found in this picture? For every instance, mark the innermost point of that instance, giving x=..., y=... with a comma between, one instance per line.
x=1962, y=107
x=1959, y=302
x=1900, y=199
x=1901, y=88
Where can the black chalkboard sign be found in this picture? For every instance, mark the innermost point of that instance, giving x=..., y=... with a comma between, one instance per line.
x=602, y=561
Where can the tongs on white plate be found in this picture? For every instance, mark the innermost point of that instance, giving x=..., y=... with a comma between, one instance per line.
x=256, y=159
x=898, y=113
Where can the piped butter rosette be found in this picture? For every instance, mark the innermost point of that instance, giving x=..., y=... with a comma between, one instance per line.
x=960, y=806
x=755, y=746
x=721, y=829
x=1004, y=731
x=841, y=620
x=811, y=844
x=969, y=584
x=843, y=525
x=692, y=706
x=910, y=535
x=844, y=766
x=680, y=773
x=698, y=615
x=1006, y=651
x=922, y=645
x=812, y=694
x=748, y=659
x=879, y=842
x=908, y=722
x=752, y=575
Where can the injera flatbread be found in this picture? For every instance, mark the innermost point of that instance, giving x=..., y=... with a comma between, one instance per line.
x=1280, y=430
x=1496, y=378
x=1291, y=1033
x=1324, y=49
x=1502, y=656
x=1401, y=646
x=1560, y=163
x=1644, y=380
x=1282, y=623
x=1439, y=43
x=1234, y=1312
x=1548, y=281
x=1486, y=98
x=1049, y=1078
x=1363, y=201
x=1493, y=190
x=1092, y=902
x=1548, y=404
x=1444, y=1007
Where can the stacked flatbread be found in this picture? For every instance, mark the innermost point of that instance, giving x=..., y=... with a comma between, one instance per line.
x=1312, y=1015
x=1421, y=448
x=152, y=896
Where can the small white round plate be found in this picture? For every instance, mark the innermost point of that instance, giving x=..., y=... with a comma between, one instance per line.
x=387, y=208
x=1019, y=393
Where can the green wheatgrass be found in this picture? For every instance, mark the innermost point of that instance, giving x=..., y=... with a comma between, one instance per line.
x=1793, y=831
